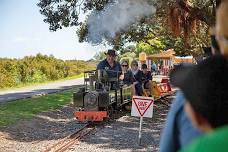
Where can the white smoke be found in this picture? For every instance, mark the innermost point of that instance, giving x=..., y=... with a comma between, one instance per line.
x=116, y=17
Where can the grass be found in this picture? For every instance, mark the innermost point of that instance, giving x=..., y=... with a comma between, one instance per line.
x=25, y=109
x=40, y=83
x=73, y=77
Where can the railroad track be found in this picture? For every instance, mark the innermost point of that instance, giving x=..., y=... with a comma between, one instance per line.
x=74, y=138
x=69, y=141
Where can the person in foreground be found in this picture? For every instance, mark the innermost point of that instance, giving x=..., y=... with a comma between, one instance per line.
x=178, y=131
x=174, y=135
x=221, y=27
x=205, y=87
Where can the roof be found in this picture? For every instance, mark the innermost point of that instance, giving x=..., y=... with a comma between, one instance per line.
x=178, y=59
x=162, y=55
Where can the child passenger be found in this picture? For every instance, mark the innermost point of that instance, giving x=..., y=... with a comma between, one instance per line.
x=146, y=78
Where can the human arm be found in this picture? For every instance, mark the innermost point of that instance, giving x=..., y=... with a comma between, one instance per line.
x=169, y=137
x=178, y=131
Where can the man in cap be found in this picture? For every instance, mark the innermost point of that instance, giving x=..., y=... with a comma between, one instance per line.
x=110, y=65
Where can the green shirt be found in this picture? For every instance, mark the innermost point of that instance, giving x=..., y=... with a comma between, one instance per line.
x=217, y=141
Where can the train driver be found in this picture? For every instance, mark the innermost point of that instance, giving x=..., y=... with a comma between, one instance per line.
x=110, y=65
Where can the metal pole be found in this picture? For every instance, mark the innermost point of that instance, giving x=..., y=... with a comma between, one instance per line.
x=140, y=130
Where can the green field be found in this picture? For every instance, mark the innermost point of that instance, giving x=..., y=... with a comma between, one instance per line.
x=40, y=83
x=12, y=112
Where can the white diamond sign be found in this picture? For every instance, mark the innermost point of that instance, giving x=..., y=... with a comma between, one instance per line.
x=142, y=106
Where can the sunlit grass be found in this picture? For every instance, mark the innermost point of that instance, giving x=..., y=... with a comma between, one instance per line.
x=40, y=83
x=25, y=109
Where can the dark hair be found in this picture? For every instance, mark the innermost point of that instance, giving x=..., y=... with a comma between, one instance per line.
x=207, y=51
x=214, y=44
x=205, y=87
x=124, y=61
x=144, y=66
x=134, y=62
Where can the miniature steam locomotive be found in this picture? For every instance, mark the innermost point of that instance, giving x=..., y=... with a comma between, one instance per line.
x=100, y=96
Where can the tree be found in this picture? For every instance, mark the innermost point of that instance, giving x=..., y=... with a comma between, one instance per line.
x=129, y=56
x=99, y=56
x=65, y=13
x=39, y=68
x=188, y=21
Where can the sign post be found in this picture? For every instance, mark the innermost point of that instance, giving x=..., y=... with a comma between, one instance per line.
x=140, y=130
x=142, y=107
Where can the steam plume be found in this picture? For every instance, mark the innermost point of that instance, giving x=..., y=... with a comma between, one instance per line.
x=116, y=17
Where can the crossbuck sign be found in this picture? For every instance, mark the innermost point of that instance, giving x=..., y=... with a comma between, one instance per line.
x=142, y=106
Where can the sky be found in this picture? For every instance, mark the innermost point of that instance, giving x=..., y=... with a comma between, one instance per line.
x=23, y=33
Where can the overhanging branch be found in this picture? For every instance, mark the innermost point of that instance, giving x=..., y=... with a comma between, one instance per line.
x=201, y=14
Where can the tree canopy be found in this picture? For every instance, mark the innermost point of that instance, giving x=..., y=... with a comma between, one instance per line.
x=179, y=24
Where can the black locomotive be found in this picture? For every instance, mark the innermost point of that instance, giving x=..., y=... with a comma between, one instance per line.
x=100, y=96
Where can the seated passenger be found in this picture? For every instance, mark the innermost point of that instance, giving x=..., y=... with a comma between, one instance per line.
x=146, y=78
x=205, y=87
x=138, y=77
x=126, y=75
x=110, y=64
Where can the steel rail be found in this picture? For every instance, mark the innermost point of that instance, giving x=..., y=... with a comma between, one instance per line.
x=68, y=141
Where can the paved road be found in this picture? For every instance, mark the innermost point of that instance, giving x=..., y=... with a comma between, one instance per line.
x=27, y=92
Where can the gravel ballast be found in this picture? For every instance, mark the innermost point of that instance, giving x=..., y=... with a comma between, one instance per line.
x=122, y=135
x=50, y=127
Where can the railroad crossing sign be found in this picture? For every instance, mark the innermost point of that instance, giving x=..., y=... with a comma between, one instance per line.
x=142, y=106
